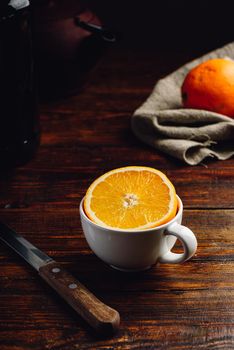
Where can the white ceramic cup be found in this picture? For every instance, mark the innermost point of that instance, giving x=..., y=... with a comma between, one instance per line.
x=139, y=249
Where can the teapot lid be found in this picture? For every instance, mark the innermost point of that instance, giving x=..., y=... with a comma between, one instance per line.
x=9, y=7
x=18, y=4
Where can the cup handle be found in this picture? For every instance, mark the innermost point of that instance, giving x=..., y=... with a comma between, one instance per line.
x=188, y=240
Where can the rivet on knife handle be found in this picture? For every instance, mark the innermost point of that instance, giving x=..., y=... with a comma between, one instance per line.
x=100, y=316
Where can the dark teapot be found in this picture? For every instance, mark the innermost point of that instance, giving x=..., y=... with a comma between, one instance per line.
x=69, y=39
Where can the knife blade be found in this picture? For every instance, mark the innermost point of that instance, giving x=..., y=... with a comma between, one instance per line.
x=34, y=256
x=101, y=317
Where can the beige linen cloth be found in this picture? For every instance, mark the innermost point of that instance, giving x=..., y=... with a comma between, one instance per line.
x=188, y=134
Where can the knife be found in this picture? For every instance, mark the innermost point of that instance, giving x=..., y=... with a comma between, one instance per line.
x=101, y=317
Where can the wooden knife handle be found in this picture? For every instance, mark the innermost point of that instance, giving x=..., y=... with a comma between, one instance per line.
x=100, y=316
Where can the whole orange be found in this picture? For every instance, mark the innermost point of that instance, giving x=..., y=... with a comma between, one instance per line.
x=210, y=86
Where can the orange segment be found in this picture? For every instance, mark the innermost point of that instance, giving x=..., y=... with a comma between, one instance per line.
x=133, y=197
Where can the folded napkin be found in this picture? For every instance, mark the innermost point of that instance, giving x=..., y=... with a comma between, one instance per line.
x=188, y=134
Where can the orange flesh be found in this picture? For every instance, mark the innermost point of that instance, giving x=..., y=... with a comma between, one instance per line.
x=132, y=199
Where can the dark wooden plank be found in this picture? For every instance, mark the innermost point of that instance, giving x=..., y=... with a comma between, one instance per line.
x=198, y=187
x=50, y=227
x=86, y=135
x=71, y=156
x=59, y=234
x=177, y=306
x=171, y=307
x=49, y=325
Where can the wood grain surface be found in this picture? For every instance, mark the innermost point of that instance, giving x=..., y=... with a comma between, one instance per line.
x=103, y=319
x=190, y=306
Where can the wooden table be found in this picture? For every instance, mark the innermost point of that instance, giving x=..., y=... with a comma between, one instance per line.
x=190, y=306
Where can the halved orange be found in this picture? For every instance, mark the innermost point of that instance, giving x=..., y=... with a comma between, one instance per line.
x=133, y=197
